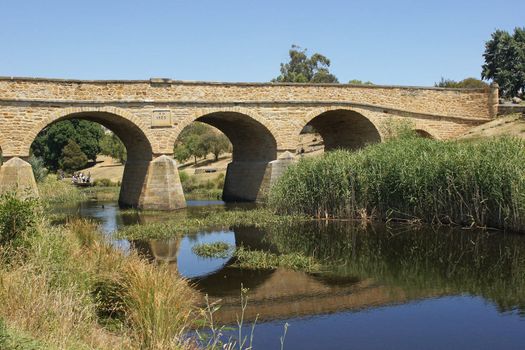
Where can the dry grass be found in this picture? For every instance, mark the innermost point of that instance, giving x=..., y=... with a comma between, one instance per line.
x=65, y=285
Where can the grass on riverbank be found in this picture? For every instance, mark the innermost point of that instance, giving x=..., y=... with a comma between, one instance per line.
x=478, y=183
x=53, y=191
x=67, y=288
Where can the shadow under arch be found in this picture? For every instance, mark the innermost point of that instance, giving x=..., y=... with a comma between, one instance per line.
x=254, y=146
x=138, y=147
x=344, y=129
x=423, y=133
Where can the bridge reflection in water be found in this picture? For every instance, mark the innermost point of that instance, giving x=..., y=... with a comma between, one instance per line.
x=275, y=294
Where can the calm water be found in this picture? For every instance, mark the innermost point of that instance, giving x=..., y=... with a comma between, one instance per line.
x=385, y=287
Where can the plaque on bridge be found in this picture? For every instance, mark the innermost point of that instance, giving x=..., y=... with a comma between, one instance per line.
x=161, y=118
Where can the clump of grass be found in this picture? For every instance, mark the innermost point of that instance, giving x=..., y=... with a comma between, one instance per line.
x=212, y=250
x=260, y=259
x=11, y=339
x=477, y=183
x=54, y=191
x=17, y=215
x=157, y=304
x=66, y=287
x=219, y=220
x=104, y=182
x=102, y=193
x=197, y=188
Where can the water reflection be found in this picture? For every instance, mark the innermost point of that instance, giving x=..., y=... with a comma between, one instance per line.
x=457, y=288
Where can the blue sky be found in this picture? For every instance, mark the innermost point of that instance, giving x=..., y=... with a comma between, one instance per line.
x=400, y=42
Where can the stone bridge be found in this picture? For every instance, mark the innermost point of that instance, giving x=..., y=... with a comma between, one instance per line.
x=262, y=120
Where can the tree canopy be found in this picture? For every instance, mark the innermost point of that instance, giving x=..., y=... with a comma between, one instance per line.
x=304, y=69
x=72, y=157
x=51, y=141
x=198, y=140
x=360, y=82
x=467, y=83
x=505, y=61
x=111, y=145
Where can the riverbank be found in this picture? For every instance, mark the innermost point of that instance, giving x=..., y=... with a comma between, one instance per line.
x=469, y=183
x=66, y=287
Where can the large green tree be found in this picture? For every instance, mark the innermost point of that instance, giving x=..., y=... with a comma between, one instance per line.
x=505, y=61
x=304, y=69
x=51, y=141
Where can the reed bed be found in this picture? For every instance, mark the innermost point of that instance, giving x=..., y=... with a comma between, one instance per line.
x=479, y=183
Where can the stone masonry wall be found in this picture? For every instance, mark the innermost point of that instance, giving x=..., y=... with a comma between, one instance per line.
x=28, y=105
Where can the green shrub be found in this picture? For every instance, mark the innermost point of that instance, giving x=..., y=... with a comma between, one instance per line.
x=39, y=170
x=17, y=215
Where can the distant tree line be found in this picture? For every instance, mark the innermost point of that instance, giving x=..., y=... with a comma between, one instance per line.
x=468, y=83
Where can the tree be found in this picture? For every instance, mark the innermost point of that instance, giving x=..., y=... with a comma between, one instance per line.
x=505, y=61
x=111, y=145
x=467, y=83
x=216, y=144
x=72, y=157
x=181, y=153
x=50, y=142
x=360, y=82
x=198, y=140
x=304, y=69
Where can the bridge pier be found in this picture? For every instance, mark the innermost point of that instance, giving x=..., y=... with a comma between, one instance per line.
x=16, y=175
x=160, y=188
x=251, y=181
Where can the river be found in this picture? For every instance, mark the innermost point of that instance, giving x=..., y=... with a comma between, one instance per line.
x=385, y=287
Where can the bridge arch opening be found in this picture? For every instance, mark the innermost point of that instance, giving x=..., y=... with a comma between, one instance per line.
x=138, y=149
x=338, y=129
x=424, y=134
x=253, y=147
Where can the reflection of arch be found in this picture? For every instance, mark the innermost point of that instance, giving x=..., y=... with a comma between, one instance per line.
x=128, y=128
x=251, y=138
x=343, y=128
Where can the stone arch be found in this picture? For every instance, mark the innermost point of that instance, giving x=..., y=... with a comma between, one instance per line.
x=343, y=128
x=254, y=147
x=128, y=128
x=229, y=120
x=424, y=134
x=426, y=131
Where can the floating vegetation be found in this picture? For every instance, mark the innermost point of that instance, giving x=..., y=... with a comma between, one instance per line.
x=261, y=259
x=218, y=249
x=218, y=221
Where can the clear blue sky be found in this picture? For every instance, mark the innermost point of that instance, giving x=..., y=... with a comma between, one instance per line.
x=400, y=42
